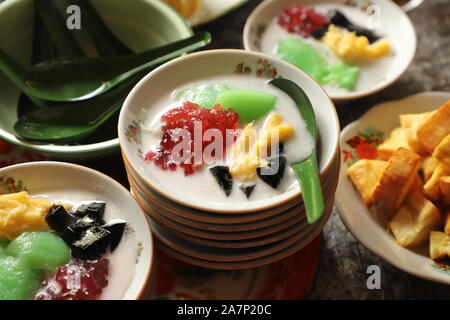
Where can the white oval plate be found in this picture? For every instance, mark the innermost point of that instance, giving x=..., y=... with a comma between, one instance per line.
x=362, y=222
x=388, y=20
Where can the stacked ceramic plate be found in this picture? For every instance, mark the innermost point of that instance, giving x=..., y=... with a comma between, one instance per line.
x=226, y=234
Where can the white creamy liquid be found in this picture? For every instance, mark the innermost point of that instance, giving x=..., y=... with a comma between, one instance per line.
x=122, y=265
x=372, y=71
x=202, y=187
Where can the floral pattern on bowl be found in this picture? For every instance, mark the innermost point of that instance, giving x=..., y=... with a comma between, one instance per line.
x=130, y=263
x=9, y=185
x=364, y=145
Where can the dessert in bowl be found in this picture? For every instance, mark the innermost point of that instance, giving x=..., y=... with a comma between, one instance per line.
x=223, y=93
x=352, y=48
x=65, y=225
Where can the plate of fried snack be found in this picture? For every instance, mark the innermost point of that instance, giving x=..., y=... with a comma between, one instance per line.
x=394, y=188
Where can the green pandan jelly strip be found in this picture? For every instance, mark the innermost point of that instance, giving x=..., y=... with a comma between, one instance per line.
x=204, y=95
x=301, y=55
x=249, y=104
x=349, y=76
x=345, y=75
x=311, y=61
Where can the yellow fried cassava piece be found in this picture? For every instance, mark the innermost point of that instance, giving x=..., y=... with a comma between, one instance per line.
x=397, y=139
x=434, y=129
x=414, y=220
x=397, y=179
x=365, y=175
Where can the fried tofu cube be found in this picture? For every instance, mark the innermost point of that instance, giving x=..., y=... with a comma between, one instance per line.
x=434, y=129
x=444, y=188
x=397, y=179
x=432, y=188
x=414, y=220
x=397, y=139
x=439, y=245
x=411, y=123
x=365, y=175
x=429, y=165
x=442, y=151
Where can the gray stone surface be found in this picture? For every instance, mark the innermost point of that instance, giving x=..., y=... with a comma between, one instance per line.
x=344, y=261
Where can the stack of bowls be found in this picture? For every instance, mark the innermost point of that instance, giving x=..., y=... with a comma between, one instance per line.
x=225, y=235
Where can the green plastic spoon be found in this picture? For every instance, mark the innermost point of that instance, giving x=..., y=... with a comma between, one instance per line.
x=307, y=171
x=56, y=128
x=85, y=78
x=42, y=49
x=72, y=122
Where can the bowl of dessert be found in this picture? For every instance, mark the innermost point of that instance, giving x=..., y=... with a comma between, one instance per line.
x=223, y=176
x=70, y=233
x=208, y=141
x=352, y=48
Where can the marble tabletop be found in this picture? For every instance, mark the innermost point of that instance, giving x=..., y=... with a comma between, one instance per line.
x=342, y=273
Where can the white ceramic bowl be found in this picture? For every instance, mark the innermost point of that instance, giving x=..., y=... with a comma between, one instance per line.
x=367, y=226
x=61, y=181
x=199, y=65
x=389, y=21
x=141, y=24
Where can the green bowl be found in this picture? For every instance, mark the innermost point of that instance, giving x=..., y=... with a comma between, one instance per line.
x=141, y=24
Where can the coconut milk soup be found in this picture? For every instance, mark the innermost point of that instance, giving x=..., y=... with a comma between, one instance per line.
x=241, y=178
x=331, y=42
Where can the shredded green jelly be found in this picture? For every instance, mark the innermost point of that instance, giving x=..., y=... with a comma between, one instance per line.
x=16, y=281
x=204, y=95
x=25, y=260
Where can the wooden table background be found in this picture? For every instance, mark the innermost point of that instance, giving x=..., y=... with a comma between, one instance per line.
x=342, y=273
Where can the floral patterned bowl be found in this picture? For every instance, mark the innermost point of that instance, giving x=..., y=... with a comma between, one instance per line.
x=131, y=263
x=261, y=34
x=212, y=63
x=359, y=140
